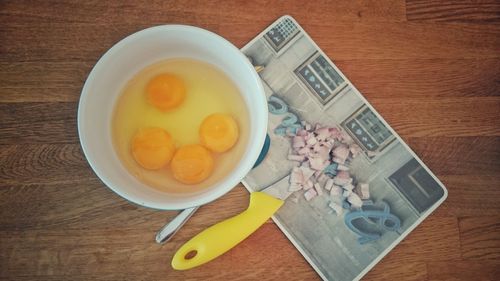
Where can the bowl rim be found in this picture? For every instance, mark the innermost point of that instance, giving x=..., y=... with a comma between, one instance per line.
x=208, y=197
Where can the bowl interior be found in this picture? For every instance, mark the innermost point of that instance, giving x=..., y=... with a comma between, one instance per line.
x=122, y=62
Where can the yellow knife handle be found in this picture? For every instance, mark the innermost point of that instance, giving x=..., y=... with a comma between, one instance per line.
x=221, y=237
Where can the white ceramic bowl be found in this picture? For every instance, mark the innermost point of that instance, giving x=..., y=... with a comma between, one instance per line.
x=128, y=57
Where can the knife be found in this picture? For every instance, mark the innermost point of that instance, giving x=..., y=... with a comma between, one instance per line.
x=221, y=237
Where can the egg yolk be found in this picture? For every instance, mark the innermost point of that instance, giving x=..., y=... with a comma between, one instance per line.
x=152, y=148
x=219, y=132
x=166, y=91
x=192, y=164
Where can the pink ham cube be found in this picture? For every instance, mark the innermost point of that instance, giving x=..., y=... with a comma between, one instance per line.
x=310, y=194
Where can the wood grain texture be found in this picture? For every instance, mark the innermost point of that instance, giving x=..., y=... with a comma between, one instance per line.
x=431, y=68
x=463, y=270
x=453, y=11
x=42, y=122
x=480, y=238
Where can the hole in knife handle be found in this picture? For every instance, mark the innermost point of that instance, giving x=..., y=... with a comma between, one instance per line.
x=191, y=254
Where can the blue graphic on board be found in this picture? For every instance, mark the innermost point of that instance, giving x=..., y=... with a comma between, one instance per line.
x=290, y=123
x=379, y=214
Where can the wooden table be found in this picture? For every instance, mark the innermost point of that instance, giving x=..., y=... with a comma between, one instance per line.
x=431, y=69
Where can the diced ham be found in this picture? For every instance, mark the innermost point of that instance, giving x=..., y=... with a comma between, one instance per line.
x=322, y=151
x=298, y=142
x=355, y=201
x=298, y=158
x=310, y=194
x=343, y=174
x=323, y=133
x=342, y=167
x=297, y=176
x=341, y=152
x=303, y=150
x=294, y=187
x=322, y=178
x=316, y=146
x=335, y=133
x=301, y=132
x=300, y=176
x=341, y=181
x=308, y=185
x=355, y=150
x=321, y=154
x=338, y=160
x=345, y=138
x=348, y=186
x=363, y=191
x=335, y=191
x=342, y=178
x=306, y=172
x=331, y=142
x=336, y=207
x=318, y=189
x=311, y=141
x=328, y=184
x=318, y=163
x=316, y=174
